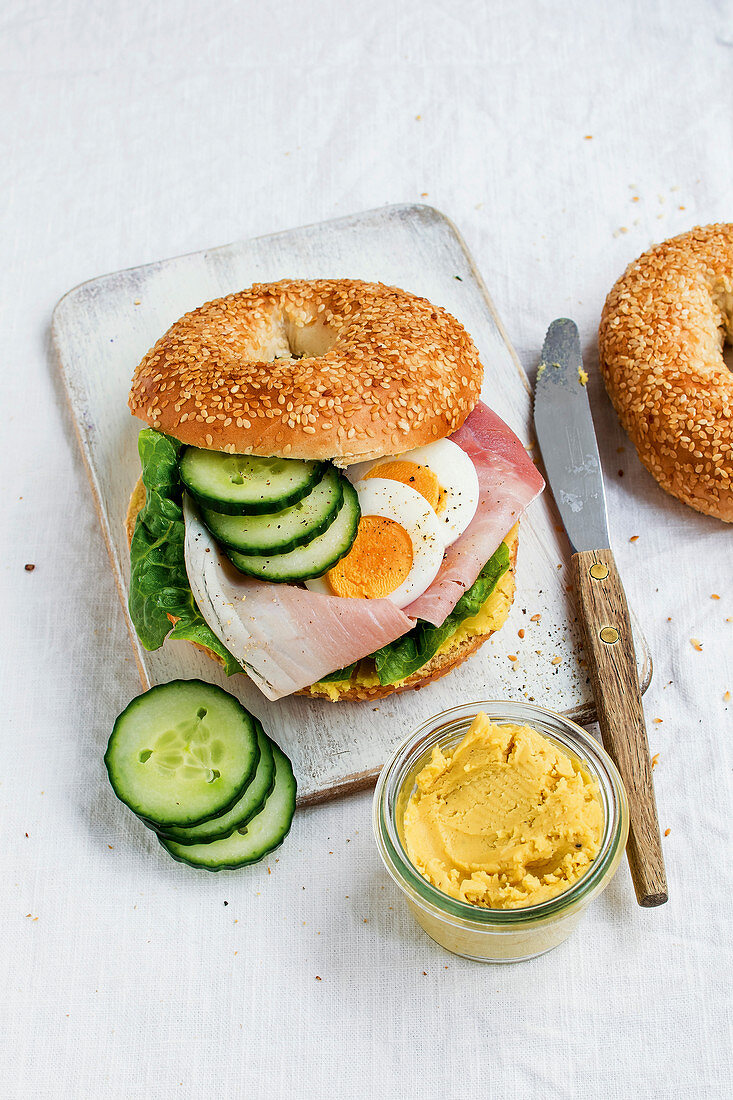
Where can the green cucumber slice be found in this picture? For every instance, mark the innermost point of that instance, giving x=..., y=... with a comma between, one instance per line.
x=262, y=835
x=314, y=559
x=245, y=485
x=182, y=753
x=280, y=532
x=251, y=802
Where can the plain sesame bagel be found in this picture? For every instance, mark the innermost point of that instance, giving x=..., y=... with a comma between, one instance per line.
x=324, y=369
x=661, y=341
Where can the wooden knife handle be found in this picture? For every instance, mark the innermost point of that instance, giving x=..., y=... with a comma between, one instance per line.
x=609, y=646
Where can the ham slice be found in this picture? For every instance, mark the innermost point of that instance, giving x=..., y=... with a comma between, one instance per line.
x=508, y=482
x=286, y=637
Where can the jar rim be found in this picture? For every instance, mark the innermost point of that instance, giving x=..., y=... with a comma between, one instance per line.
x=450, y=725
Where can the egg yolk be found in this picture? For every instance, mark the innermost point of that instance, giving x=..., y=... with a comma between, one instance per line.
x=378, y=562
x=417, y=477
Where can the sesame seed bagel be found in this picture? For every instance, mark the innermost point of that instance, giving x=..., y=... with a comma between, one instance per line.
x=321, y=369
x=661, y=341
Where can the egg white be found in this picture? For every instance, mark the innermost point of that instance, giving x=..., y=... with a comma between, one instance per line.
x=456, y=475
x=381, y=497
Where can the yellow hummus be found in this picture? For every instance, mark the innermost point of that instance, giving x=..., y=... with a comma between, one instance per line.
x=506, y=820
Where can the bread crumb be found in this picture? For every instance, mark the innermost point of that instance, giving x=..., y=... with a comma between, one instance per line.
x=655, y=759
x=726, y=697
x=557, y=660
x=535, y=618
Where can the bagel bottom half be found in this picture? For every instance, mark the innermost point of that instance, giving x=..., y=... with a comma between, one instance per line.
x=365, y=684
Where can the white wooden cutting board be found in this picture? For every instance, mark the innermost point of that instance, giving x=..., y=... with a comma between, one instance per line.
x=101, y=330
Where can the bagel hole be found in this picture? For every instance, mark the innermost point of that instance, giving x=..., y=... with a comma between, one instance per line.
x=723, y=299
x=728, y=355
x=309, y=341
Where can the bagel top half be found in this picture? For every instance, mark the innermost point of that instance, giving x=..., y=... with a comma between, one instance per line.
x=319, y=369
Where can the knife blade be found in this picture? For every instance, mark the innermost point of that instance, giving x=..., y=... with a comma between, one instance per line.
x=567, y=440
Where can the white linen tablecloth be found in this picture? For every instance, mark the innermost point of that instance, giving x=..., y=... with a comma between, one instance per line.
x=563, y=139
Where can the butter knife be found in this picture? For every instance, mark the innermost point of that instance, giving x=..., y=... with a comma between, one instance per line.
x=569, y=448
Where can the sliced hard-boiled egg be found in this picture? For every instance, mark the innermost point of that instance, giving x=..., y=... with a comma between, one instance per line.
x=398, y=548
x=441, y=472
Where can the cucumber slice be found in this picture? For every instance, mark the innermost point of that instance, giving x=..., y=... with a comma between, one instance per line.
x=281, y=532
x=245, y=485
x=245, y=808
x=314, y=559
x=262, y=835
x=182, y=753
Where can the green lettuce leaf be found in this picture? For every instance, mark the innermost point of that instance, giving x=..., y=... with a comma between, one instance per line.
x=339, y=675
x=408, y=654
x=158, y=582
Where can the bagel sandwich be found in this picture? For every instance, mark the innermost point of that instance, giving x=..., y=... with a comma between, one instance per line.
x=325, y=503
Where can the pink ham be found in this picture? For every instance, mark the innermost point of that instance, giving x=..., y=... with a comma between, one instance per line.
x=285, y=637
x=508, y=482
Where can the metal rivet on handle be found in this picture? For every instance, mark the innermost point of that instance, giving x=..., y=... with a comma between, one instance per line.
x=598, y=571
x=609, y=635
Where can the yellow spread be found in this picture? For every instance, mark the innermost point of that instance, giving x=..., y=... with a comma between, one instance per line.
x=507, y=819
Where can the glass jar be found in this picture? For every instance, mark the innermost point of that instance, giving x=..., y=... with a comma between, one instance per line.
x=496, y=935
